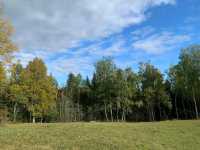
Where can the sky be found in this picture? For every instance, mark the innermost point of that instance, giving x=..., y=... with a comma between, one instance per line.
x=71, y=35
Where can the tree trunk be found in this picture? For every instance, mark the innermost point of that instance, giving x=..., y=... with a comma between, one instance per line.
x=75, y=112
x=177, y=117
x=75, y=115
x=105, y=111
x=117, y=114
x=152, y=118
x=160, y=112
x=123, y=114
x=149, y=113
x=153, y=115
x=60, y=111
x=195, y=105
x=111, y=114
x=185, y=116
x=33, y=119
x=30, y=117
x=15, y=112
x=78, y=115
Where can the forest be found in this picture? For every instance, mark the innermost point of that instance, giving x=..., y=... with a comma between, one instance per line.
x=30, y=94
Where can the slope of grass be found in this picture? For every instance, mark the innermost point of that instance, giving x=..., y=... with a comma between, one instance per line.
x=167, y=135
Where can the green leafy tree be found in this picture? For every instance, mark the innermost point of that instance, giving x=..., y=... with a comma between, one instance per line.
x=104, y=71
x=16, y=93
x=125, y=91
x=185, y=79
x=155, y=97
x=3, y=86
x=73, y=93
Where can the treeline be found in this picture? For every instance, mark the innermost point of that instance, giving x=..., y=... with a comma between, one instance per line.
x=29, y=94
x=115, y=94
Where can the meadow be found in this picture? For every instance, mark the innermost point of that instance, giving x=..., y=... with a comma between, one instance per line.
x=166, y=135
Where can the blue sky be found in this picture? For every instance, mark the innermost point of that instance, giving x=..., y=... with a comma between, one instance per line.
x=72, y=35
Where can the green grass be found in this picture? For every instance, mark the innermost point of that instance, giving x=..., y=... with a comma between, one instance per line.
x=167, y=135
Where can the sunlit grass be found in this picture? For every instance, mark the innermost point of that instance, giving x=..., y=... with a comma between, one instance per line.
x=167, y=135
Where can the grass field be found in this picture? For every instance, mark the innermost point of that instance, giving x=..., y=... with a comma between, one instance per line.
x=167, y=135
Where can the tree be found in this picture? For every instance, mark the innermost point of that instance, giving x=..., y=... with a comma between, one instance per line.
x=40, y=89
x=3, y=86
x=190, y=62
x=153, y=90
x=125, y=91
x=185, y=79
x=16, y=93
x=175, y=80
x=6, y=48
x=104, y=72
x=86, y=101
x=6, y=45
x=73, y=93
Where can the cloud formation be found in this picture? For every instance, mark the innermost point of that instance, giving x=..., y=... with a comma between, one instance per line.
x=71, y=35
x=60, y=24
x=158, y=43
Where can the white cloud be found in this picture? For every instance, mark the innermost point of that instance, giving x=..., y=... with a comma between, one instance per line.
x=107, y=47
x=26, y=56
x=159, y=43
x=63, y=66
x=142, y=32
x=60, y=24
x=83, y=59
x=49, y=28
